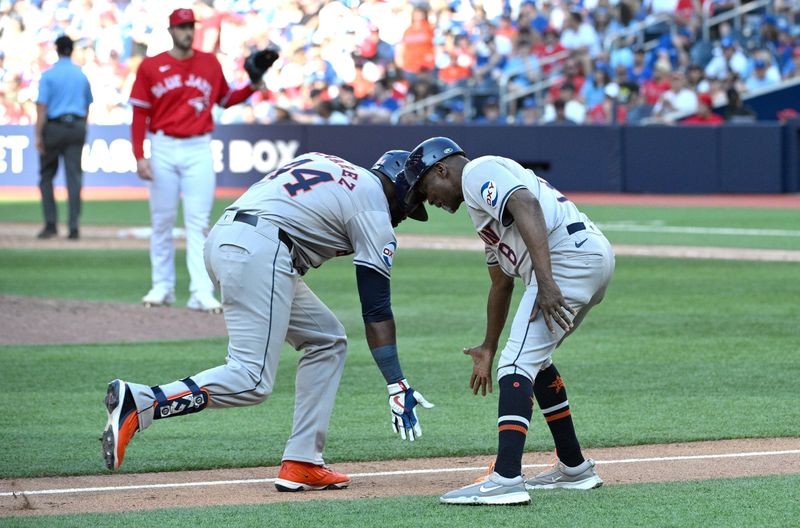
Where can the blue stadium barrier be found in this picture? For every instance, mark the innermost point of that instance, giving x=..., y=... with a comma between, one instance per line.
x=743, y=158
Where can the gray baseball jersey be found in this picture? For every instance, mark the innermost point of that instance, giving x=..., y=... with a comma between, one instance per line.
x=487, y=183
x=327, y=207
x=581, y=258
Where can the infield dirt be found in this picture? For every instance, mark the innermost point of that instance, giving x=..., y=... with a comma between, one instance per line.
x=68, y=322
x=431, y=476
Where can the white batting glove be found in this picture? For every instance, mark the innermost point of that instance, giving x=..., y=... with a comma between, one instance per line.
x=402, y=400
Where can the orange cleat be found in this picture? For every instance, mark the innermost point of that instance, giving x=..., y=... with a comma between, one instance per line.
x=304, y=476
x=123, y=422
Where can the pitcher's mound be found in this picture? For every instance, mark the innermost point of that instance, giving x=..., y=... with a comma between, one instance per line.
x=35, y=321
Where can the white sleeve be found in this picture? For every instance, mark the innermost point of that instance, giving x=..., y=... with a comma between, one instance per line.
x=373, y=240
x=487, y=186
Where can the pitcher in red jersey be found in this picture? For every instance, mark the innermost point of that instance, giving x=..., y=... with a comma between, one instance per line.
x=172, y=99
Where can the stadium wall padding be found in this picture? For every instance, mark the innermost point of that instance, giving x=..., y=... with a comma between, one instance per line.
x=741, y=158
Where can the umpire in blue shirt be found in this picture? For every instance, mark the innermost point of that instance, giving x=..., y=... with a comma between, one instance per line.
x=62, y=107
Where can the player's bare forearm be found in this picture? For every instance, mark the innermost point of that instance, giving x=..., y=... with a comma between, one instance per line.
x=497, y=305
x=529, y=219
x=380, y=334
x=496, y=314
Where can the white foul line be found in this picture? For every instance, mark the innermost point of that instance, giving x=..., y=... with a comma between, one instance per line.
x=380, y=474
x=733, y=231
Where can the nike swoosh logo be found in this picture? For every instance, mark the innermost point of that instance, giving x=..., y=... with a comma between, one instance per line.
x=579, y=244
x=164, y=68
x=485, y=489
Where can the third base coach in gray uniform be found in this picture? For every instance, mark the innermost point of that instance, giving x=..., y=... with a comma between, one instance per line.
x=532, y=232
x=312, y=209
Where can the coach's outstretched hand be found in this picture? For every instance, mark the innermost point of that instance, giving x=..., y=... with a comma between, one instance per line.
x=402, y=402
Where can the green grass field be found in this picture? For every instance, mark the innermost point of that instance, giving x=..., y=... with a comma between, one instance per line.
x=695, y=226
x=719, y=338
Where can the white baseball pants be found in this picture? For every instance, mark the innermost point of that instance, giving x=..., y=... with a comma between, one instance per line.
x=182, y=168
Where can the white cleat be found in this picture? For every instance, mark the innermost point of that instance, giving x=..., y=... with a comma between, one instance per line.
x=560, y=476
x=204, y=302
x=492, y=489
x=158, y=297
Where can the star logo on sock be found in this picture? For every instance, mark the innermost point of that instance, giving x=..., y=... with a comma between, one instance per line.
x=557, y=385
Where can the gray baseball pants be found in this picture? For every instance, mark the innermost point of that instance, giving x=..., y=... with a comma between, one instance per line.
x=583, y=270
x=266, y=303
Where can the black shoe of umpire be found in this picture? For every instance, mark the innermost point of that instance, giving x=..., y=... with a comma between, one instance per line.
x=73, y=234
x=49, y=231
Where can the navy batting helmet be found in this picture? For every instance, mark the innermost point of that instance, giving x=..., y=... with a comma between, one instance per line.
x=422, y=158
x=391, y=165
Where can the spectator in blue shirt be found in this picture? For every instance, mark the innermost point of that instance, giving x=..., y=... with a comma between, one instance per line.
x=593, y=90
x=62, y=107
x=758, y=78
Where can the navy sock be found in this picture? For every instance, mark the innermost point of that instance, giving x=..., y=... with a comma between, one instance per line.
x=514, y=416
x=552, y=397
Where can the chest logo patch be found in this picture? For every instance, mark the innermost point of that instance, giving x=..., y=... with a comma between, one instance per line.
x=388, y=253
x=199, y=104
x=489, y=193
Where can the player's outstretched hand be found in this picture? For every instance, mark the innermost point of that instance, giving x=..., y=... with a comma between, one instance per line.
x=402, y=402
x=481, y=379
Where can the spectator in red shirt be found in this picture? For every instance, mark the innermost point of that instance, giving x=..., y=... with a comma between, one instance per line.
x=549, y=48
x=456, y=60
x=573, y=74
x=414, y=53
x=704, y=115
x=653, y=88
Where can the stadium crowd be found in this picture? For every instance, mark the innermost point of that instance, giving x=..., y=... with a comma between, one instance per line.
x=358, y=62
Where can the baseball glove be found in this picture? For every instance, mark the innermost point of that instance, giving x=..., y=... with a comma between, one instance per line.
x=258, y=62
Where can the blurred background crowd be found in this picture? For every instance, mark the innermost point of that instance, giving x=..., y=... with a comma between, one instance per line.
x=491, y=61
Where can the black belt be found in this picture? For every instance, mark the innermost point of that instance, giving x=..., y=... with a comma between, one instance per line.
x=253, y=221
x=66, y=118
x=574, y=228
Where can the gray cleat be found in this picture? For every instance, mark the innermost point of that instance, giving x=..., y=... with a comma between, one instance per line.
x=493, y=489
x=582, y=477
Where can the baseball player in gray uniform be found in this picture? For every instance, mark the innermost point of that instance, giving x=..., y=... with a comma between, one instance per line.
x=531, y=232
x=312, y=209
